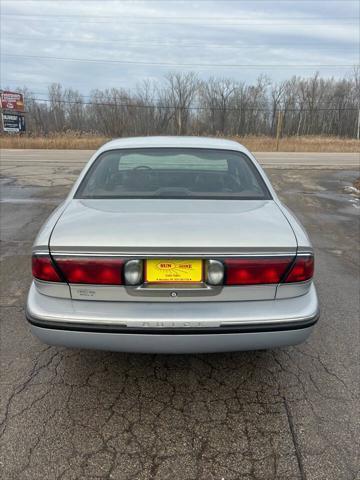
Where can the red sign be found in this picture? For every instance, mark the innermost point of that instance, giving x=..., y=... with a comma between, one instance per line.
x=12, y=101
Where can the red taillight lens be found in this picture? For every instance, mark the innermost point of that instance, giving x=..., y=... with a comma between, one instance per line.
x=302, y=270
x=97, y=271
x=255, y=271
x=43, y=269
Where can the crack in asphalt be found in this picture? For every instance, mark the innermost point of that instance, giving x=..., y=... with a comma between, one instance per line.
x=295, y=440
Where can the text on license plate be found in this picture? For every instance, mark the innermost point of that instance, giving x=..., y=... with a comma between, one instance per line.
x=163, y=270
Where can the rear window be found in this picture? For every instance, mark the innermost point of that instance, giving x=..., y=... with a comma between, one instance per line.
x=173, y=173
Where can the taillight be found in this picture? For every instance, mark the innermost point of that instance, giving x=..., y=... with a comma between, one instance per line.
x=256, y=271
x=302, y=270
x=91, y=270
x=43, y=268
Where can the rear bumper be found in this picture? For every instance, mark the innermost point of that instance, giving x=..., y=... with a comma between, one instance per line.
x=189, y=343
x=172, y=327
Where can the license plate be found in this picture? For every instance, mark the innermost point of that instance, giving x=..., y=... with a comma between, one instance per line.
x=163, y=270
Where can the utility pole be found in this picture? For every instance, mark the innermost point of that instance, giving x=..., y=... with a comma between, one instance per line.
x=279, y=128
x=179, y=121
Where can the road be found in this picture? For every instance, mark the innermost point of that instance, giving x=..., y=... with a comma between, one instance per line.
x=267, y=159
x=290, y=413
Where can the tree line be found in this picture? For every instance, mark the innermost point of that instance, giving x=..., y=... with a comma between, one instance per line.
x=182, y=104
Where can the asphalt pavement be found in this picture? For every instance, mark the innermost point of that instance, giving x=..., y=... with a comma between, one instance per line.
x=290, y=413
x=267, y=159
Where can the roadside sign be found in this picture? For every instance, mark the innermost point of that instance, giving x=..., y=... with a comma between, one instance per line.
x=13, y=122
x=12, y=101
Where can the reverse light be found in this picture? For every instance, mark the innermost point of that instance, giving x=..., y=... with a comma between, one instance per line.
x=44, y=269
x=214, y=272
x=133, y=272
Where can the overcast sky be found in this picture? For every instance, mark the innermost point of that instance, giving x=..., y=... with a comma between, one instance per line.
x=122, y=42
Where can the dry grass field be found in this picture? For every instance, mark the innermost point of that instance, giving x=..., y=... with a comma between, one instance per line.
x=254, y=143
x=301, y=144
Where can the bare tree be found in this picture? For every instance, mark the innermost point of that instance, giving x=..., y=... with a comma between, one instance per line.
x=215, y=99
x=181, y=92
x=182, y=104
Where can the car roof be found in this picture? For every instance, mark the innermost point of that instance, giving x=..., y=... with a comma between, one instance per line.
x=175, y=142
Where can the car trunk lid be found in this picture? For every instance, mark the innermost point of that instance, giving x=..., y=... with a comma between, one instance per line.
x=180, y=227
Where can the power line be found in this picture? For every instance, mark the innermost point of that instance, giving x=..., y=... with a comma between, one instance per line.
x=180, y=44
x=215, y=22
x=162, y=17
x=189, y=1
x=171, y=107
x=270, y=23
x=164, y=64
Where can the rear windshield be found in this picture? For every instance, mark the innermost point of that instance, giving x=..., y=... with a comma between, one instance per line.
x=173, y=173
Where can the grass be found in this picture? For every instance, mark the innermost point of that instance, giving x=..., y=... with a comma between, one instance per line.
x=255, y=143
x=68, y=141
x=301, y=144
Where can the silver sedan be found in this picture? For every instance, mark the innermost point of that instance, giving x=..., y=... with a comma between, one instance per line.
x=172, y=245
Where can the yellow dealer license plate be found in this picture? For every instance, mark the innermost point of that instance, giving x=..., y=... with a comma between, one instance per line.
x=163, y=270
